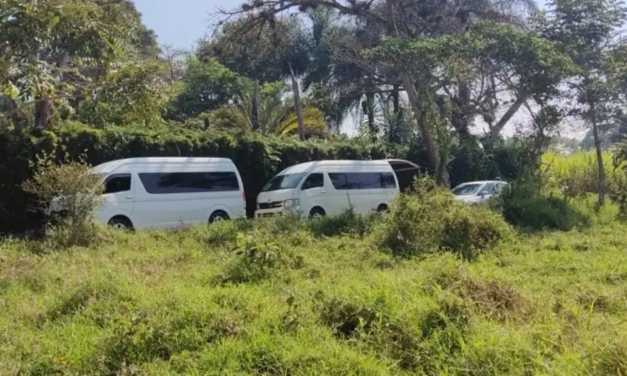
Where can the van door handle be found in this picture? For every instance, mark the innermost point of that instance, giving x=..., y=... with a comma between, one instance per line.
x=323, y=192
x=129, y=197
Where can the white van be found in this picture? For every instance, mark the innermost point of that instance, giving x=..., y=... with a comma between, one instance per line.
x=169, y=192
x=329, y=187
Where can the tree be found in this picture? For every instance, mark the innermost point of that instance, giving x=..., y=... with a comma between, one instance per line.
x=174, y=58
x=407, y=19
x=134, y=93
x=207, y=85
x=46, y=44
x=588, y=31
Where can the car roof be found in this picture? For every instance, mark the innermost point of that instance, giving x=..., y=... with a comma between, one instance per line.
x=308, y=166
x=482, y=182
x=111, y=166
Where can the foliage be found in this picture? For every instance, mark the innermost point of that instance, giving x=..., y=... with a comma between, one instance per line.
x=207, y=86
x=346, y=223
x=529, y=67
x=592, y=46
x=254, y=261
x=49, y=45
x=314, y=122
x=147, y=302
x=432, y=221
x=257, y=157
x=70, y=194
x=577, y=175
x=134, y=93
x=523, y=205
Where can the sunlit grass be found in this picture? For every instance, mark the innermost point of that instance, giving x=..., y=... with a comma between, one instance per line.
x=157, y=302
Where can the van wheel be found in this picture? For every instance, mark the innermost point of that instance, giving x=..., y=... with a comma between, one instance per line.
x=317, y=213
x=218, y=216
x=383, y=208
x=121, y=223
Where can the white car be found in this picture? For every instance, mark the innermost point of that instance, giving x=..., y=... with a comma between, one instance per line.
x=478, y=192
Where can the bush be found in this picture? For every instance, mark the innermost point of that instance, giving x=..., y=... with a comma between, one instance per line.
x=253, y=261
x=347, y=222
x=432, y=221
x=70, y=194
x=523, y=206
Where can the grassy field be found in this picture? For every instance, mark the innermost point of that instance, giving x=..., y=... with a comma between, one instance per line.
x=285, y=297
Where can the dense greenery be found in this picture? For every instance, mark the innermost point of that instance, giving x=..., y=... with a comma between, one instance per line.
x=257, y=157
x=438, y=76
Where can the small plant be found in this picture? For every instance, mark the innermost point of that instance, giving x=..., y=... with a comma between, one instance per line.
x=69, y=194
x=253, y=261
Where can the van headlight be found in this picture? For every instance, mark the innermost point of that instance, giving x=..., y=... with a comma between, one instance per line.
x=289, y=204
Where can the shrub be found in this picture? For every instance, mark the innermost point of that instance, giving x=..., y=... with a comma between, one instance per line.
x=523, y=205
x=433, y=221
x=347, y=222
x=253, y=261
x=70, y=194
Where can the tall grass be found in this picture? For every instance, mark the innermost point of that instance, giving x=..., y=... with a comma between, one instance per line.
x=578, y=174
x=287, y=297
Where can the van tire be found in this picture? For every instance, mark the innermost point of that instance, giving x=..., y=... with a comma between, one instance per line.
x=317, y=212
x=218, y=216
x=383, y=208
x=121, y=223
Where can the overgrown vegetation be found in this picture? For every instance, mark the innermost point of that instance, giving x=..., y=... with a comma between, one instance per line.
x=287, y=296
x=534, y=283
x=69, y=195
x=433, y=222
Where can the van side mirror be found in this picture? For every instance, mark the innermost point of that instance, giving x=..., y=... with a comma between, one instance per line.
x=484, y=193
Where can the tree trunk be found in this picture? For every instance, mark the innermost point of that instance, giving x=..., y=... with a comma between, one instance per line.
x=415, y=100
x=507, y=116
x=297, y=104
x=43, y=112
x=14, y=114
x=368, y=109
x=254, y=116
x=395, y=136
x=597, y=145
x=459, y=118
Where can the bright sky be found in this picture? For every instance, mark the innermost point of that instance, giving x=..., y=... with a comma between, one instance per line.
x=181, y=23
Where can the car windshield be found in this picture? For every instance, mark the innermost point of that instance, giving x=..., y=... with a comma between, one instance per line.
x=467, y=189
x=289, y=181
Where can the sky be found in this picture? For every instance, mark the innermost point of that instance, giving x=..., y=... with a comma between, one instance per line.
x=181, y=23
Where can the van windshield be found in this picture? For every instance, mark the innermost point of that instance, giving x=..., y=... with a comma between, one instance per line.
x=467, y=189
x=289, y=181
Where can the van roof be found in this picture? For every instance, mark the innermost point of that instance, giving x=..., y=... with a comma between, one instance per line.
x=308, y=166
x=109, y=167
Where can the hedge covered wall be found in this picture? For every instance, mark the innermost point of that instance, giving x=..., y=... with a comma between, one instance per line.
x=258, y=158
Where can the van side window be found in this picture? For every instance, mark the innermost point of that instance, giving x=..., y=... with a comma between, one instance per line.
x=362, y=180
x=189, y=182
x=118, y=183
x=313, y=181
x=490, y=188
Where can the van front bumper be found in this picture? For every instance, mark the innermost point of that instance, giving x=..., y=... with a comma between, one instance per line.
x=275, y=212
x=268, y=213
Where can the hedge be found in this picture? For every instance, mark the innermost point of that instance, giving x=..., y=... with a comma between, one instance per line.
x=258, y=158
